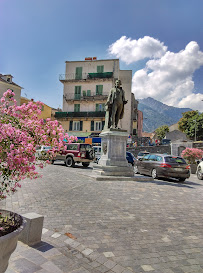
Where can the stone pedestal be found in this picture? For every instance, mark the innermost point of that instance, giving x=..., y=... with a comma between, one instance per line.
x=113, y=159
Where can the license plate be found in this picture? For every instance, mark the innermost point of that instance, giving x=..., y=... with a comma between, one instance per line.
x=178, y=169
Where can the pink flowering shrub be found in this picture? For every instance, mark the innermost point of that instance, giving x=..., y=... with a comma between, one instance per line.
x=191, y=154
x=21, y=131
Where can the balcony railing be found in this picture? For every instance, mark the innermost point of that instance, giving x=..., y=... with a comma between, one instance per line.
x=85, y=76
x=84, y=96
x=79, y=114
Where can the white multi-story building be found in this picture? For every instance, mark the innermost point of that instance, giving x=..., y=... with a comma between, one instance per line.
x=86, y=88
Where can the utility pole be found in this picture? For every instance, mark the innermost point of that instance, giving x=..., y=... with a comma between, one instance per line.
x=195, y=129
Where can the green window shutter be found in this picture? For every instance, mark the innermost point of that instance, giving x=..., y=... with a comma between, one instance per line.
x=76, y=107
x=78, y=73
x=84, y=93
x=100, y=69
x=103, y=106
x=99, y=89
x=89, y=93
x=103, y=122
x=77, y=92
x=97, y=107
x=81, y=125
x=70, y=125
x=92, y=125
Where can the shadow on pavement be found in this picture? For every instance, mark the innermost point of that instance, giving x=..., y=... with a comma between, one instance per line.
x=42, y=246
x=174, y=183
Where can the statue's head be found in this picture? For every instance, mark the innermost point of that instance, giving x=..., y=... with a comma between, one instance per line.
x=118, y=83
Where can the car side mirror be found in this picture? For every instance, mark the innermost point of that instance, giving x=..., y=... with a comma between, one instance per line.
x=140, y=159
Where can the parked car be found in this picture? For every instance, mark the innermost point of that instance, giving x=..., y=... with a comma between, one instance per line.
x=200, y=170
x=163, y=165
x=130, y=158
x=141, y=154
x=41, y=151
x=76, y=153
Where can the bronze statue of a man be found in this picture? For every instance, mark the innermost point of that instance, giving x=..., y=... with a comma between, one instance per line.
x=115, y=106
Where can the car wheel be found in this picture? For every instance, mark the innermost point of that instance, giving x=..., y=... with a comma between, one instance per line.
x=154, y=174
x=181, y=179
x=135, y=169
x=199, y=173
x=85, y=164
x=52, y=161
x=69, y=161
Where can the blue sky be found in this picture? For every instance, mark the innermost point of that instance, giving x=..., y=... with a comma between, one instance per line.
x=38, y=36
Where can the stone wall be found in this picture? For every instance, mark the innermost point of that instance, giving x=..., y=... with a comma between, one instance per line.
x=162, y=149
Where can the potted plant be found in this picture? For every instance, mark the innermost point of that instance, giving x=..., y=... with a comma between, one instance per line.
x=21, y=132
x=192, y=155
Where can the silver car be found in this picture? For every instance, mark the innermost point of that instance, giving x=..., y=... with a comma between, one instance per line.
x=200, y=171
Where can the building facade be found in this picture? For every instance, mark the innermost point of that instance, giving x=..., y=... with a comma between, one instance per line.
x=46, y=111
x=6, y=82
x=86, y=86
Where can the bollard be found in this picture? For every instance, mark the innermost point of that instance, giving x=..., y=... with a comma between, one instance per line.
x=32, y=233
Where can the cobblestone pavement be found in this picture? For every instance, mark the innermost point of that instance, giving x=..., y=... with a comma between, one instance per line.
x=110, y=226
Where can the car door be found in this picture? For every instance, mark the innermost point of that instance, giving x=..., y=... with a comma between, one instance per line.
x=152, y=163
x=142, y=163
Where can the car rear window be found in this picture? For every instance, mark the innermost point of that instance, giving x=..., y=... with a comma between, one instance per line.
x=174, y=159
x=85, y=147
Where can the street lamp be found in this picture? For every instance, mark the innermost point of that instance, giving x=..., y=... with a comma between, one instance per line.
x=195, y=128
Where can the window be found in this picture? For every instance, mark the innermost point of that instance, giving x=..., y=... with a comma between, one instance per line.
x=88, y=93
x=99, y=89
x=84, y=93
x=159, y=158
x=98, y=126
x=76, y=126
x=100, y=69
x=100, y=107
x=76, y=107
x=78, y=73
x=77, y=92
x=152, y=158
x=146, y=157
x=72, y=147
x=173, y=159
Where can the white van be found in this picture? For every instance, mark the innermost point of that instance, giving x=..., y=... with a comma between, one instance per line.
x=97, y=152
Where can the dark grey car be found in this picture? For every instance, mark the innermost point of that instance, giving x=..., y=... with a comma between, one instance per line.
x=162, y=165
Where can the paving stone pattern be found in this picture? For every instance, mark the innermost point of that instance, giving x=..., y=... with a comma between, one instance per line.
x=110, y=226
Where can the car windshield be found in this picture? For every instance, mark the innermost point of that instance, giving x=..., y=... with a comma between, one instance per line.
x=85, y=147
x=174, y=159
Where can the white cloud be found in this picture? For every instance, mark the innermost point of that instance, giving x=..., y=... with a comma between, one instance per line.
x=131, y=51
x=194, y=101
x=170, y=78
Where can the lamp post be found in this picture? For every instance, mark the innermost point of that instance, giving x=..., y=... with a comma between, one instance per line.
x=195, y=128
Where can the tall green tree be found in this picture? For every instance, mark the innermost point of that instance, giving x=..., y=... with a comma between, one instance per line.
x=192, y=123
x=161, y=131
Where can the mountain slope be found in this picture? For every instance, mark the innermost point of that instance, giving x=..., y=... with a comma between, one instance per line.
x=156, y=114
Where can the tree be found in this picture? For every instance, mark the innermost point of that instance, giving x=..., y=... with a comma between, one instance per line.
x=192, y=123
x=161, y=131
x=21, y=132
